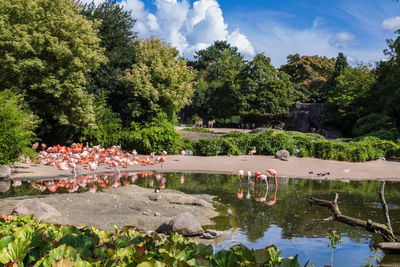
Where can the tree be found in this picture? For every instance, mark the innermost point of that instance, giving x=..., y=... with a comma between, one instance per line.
x=206, y=57
x=340, y=65
x=352, y=96
x=159, y=81
x=310, y=76
x=217, y=93
x=46, y=49
x=267, y=91
x=117, y=37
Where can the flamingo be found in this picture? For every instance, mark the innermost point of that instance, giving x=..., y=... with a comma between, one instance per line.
x=253, y=151
x=164, y=153
x=35, y=146
x=240, y=175
x=93, y=167
x=183, y=153
x=275, y=174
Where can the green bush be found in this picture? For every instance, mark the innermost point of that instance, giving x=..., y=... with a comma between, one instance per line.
x=108, y=127
x=299, y=144
x=16, y=127
x=155, y=136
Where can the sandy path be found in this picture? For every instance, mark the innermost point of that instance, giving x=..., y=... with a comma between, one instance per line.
x=294, y=168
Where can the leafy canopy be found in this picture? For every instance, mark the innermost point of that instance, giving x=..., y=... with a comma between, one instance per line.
x=267, y=91
x=310, y=76
x=117, y=37
x=159, y=81
x=46, y=48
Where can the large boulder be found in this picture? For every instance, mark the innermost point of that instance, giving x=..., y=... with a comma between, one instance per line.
x=39, y=209
x=309, y=118
x=5, y=172
x=282, y=155
x=185, y=224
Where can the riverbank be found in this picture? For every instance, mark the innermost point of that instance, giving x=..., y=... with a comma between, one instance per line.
x=305, y=168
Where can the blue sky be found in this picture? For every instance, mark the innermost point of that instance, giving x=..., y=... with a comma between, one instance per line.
x=276, y=28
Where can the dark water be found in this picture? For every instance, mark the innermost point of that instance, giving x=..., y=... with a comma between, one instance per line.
x=279, y=216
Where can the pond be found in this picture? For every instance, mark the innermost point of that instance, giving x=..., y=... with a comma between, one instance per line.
x=260, y=216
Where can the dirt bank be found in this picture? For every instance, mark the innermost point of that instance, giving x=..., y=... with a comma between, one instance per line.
x=308, y=168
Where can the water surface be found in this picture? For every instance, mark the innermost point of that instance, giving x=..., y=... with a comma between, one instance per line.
x=260, y=216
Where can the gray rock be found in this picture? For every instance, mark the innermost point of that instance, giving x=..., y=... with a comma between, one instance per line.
x=154, y=197
x=282, y=155
x=185, y=224
x=39, y=209
x=5, y=172
x=309, y=118
x=5, y=186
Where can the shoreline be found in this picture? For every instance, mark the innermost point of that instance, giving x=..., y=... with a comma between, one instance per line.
x=300, y=168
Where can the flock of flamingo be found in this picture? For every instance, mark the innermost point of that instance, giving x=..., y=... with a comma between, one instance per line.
x=68, y=158
x=258, y=177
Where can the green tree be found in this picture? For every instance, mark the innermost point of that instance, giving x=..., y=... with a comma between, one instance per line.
x=159, y=82
x=340, y=65
x=117, y=37
x=310, y=76
x=46, y=49
x=351, y=98
x=16, y=126
x=267, y=91
x=217, y=94
x=206, y=57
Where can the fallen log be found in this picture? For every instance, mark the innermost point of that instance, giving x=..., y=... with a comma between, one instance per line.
x=369, y=225
x=394, y=246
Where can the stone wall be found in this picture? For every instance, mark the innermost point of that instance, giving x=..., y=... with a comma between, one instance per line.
x=308, y=118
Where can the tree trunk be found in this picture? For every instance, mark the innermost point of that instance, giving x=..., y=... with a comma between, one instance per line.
x=369, y=225
x=384, y=206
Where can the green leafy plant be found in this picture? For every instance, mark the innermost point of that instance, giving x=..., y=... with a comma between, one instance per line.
x=334, y=238
x=26, y=241
x=16, y=127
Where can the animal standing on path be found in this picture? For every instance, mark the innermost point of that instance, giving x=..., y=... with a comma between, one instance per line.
x=253, y=151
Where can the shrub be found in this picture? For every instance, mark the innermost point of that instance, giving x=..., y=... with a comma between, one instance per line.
x=155, y=136
x=208, y=147
x=198, y=130
x=16, y=127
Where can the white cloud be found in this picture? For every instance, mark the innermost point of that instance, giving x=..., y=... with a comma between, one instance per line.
x=340, y=39
x=391, y=24
x=188, y=28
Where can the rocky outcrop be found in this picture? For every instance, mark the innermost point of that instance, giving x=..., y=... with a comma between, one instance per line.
x=39, y=209
x=185, y=224
x=282, y=155
x=5, y=172
x=308, y=118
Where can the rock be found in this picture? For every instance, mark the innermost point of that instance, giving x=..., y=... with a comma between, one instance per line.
x=308, y=118
x=185, y=224
x=146, y=213
x=157, y=214
x=154, y=197
x=39, y=209
x=5, y=172
x=282, y=155
x=4, y=186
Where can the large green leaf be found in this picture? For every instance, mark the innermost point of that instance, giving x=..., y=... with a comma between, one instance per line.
x=152, y=263
x=5, y=241
x=15, y=250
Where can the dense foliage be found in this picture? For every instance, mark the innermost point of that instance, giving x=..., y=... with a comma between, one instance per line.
x=117, y=38
x=26, y=241
x=46, y=48
x=299, y=144
x=16, y=128
x=310, y=76
x=267, y=91
x=159, y=81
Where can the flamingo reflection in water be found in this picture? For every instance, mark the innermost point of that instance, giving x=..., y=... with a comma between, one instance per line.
x=259, y=177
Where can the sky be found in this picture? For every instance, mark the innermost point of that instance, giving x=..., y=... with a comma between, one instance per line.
x=276, y=28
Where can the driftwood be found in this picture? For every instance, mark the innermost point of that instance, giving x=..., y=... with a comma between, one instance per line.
x=395, y=246
x=369, y=225
x=384, y=206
